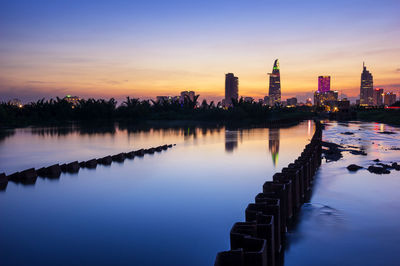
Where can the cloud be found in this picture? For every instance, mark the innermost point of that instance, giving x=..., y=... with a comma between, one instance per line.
x=397, y=70
x=38, y=82
x=113, y=82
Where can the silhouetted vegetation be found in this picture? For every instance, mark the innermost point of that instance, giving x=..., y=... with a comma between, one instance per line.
x=387, y=116
x=59, y=110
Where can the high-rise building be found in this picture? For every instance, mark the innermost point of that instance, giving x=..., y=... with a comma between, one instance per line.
x=320, y=98
x=291, y=101
x=366, y=89
x=377, y=97
x=389, y=98
x=231, y=88
x=275, y=85
x=324, y=83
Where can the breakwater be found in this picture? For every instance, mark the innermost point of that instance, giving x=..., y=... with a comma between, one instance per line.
x=259, y=241
x=29, y=176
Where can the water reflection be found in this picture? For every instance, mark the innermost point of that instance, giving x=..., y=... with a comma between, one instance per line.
x=6, y=133
x=231, y=140
x=44, y=146
x=157, y=199
x=351, y=219
x=273, y=144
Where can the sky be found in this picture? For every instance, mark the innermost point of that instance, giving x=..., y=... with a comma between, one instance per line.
x=143, y=49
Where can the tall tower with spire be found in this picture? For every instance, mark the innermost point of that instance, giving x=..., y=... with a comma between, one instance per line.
x=366, y=88
x=275, y=85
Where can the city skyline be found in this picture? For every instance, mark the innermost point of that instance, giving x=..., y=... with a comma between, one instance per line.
x=60, y=48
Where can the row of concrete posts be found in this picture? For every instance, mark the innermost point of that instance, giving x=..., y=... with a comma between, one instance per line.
x=29, y=176
x=259, y=240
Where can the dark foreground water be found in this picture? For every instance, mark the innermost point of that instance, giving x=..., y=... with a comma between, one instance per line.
x=353, y=218
x=170, y=208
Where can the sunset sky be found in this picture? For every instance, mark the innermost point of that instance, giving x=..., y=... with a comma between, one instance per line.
x=149, y=48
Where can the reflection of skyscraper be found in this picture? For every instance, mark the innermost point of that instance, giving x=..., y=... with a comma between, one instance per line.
x=275, y=85
x=366, y=89
x=274, y=137
x=231, y=140
x=231, y=88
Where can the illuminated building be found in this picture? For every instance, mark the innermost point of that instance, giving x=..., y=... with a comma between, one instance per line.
x=377, y=97
x=309, y=102
x=231, y=88
x=320, y=98
x=366, y=89
x=336, y=106
x=389, y=98
x=273, y=144
x=324, y=83
x=275, y=85
x=187, y=95
x=16, y=102
x=291, y=101
x=72, y=99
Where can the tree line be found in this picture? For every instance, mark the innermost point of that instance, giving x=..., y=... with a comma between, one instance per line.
x=60, y=110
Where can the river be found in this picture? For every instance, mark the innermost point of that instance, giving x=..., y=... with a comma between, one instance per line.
x=171, y=208
x=177, y=207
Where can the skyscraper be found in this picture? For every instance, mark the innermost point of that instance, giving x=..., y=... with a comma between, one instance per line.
x=324, y=83
x=377, y=97
x=275, y=85
x=231, y=88
x=366, y=89
x=390, y=98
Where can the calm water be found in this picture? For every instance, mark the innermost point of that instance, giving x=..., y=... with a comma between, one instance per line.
x=170, y=208
x=353, y=218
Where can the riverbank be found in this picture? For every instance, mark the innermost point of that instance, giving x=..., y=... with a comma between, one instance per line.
x=387, y=116
x=234, y=117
